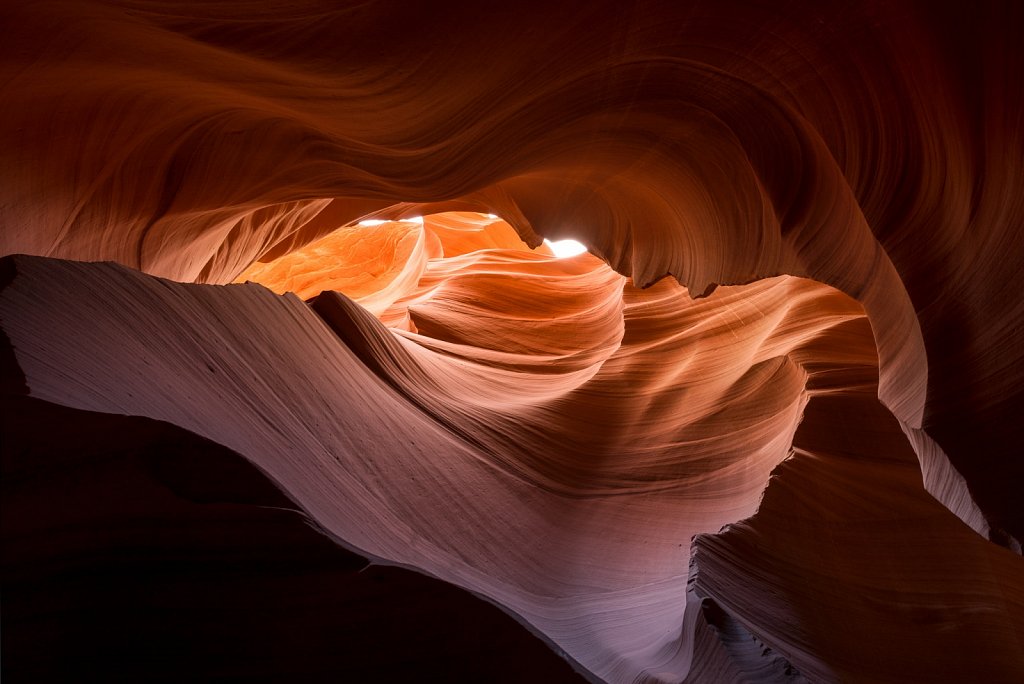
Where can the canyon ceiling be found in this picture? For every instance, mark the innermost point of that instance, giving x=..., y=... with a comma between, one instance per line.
x=295, y=390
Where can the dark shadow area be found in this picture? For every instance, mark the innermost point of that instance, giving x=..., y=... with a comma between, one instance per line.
x=136, y=551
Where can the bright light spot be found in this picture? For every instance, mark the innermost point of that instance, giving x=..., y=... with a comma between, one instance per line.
x=377, y=222
x=492, y=216
x=565, y=248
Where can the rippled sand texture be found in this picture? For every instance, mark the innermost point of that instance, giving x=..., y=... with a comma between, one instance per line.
x=798, y=456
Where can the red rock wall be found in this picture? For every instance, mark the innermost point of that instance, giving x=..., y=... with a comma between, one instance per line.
x=837, y=192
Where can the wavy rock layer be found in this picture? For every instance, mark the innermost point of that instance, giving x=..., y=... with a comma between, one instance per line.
x=837, y=192
x=415, y=453
x=197, y=567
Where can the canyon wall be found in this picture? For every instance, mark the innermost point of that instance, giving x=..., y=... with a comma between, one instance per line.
x=766, y=429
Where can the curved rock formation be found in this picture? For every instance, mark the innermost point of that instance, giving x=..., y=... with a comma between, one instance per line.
x=797, y=457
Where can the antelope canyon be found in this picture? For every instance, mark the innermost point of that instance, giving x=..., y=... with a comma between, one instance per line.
x=537, y=342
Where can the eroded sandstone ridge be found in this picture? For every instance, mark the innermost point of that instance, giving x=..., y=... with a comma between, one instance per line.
x=319, y=230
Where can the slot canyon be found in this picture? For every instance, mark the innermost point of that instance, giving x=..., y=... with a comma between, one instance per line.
x=299, y=384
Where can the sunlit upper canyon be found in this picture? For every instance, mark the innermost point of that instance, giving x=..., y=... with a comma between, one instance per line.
x=539, y=342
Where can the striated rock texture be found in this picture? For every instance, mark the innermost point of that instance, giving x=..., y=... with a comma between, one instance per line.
x=283, y=348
